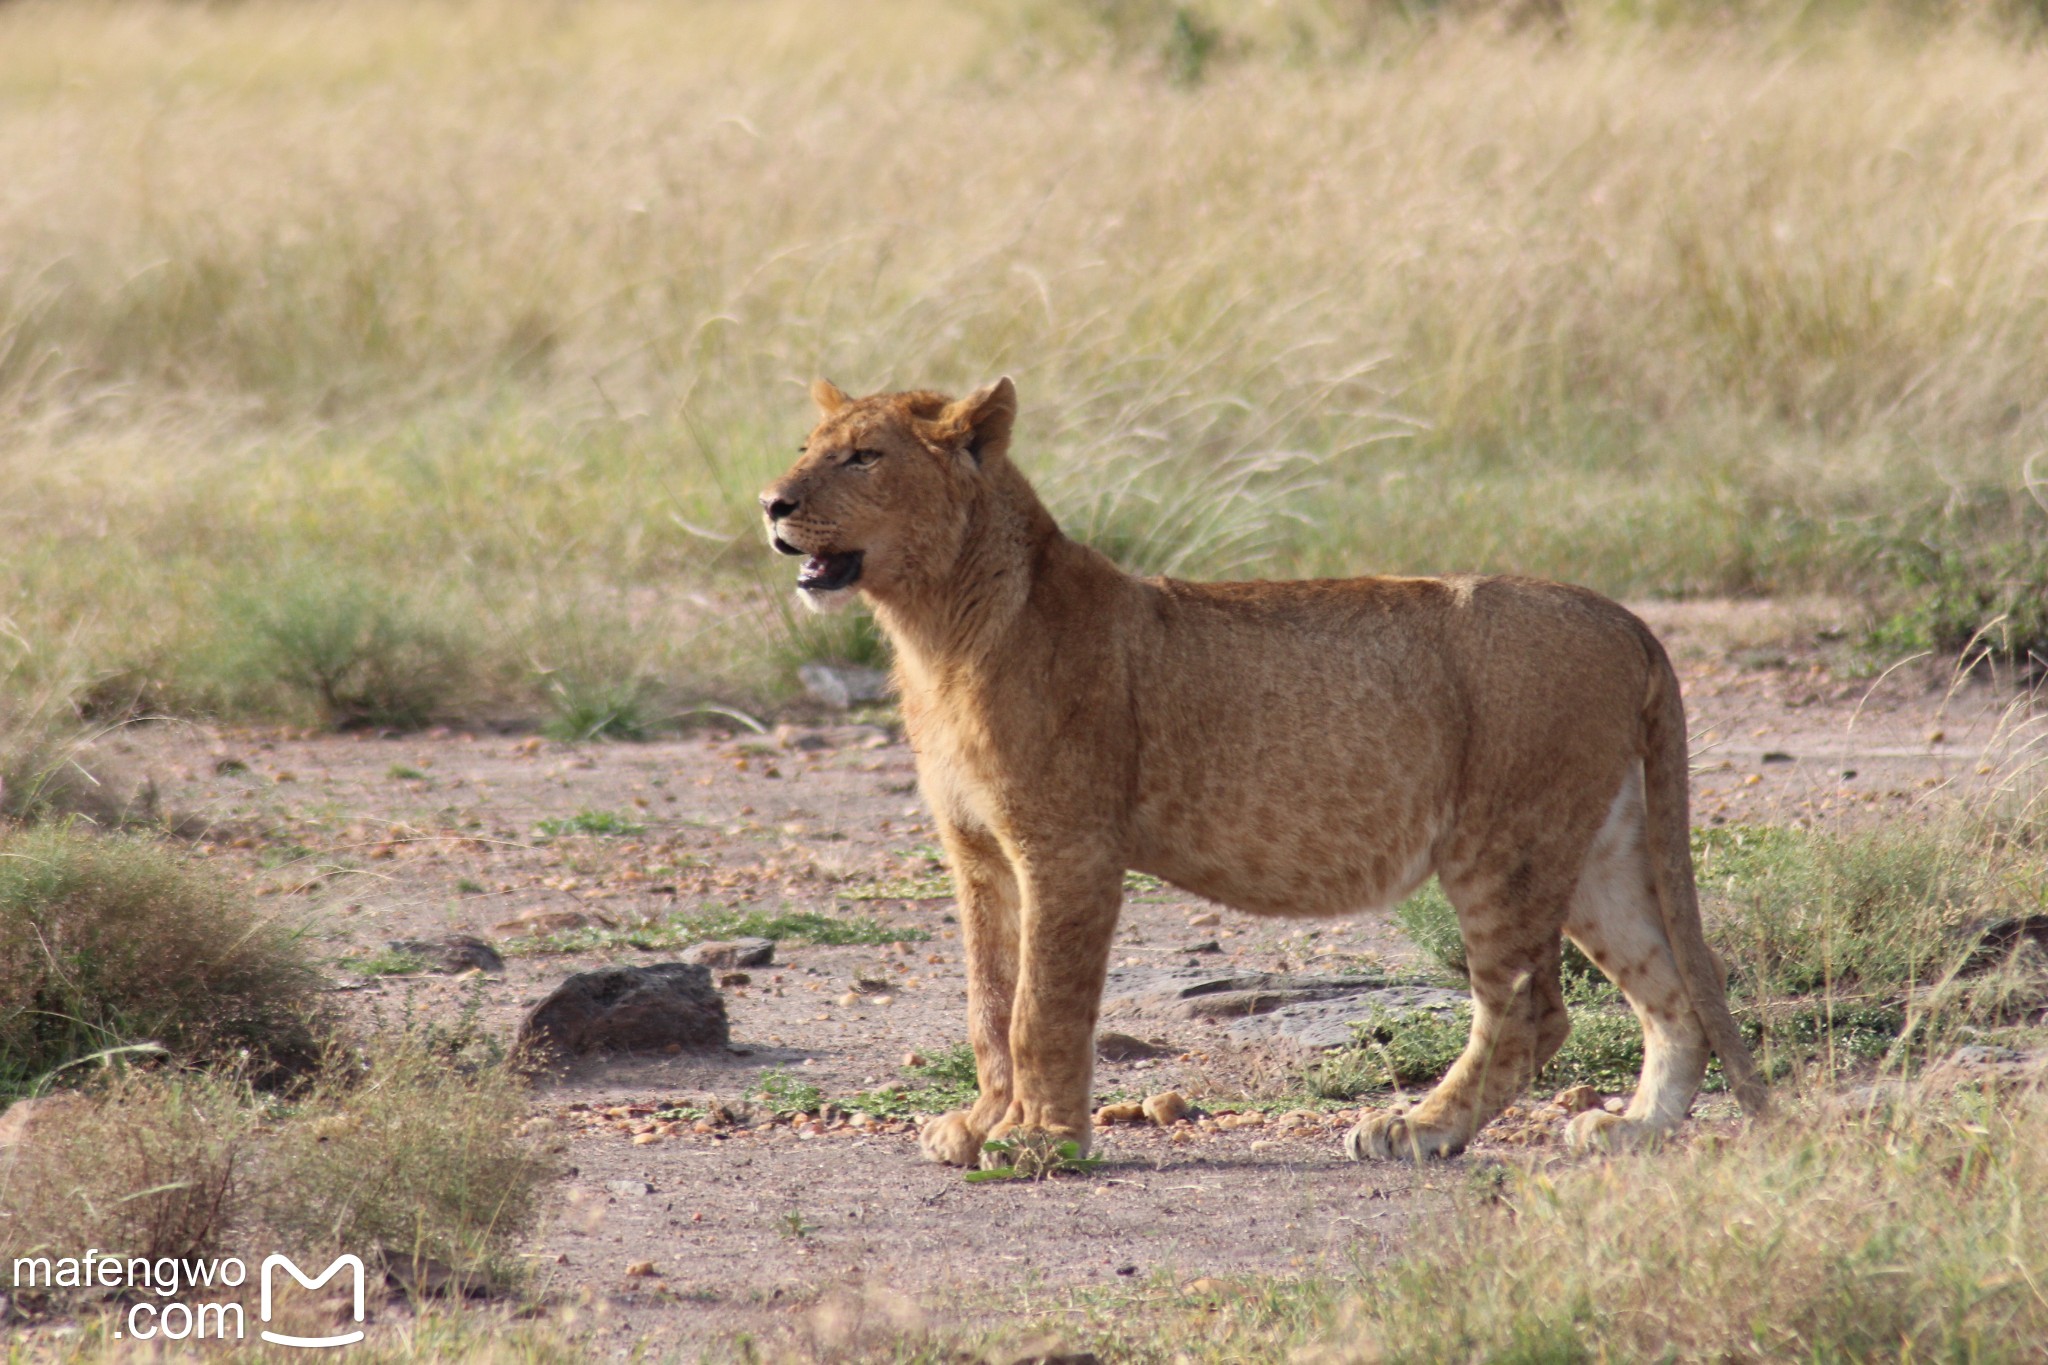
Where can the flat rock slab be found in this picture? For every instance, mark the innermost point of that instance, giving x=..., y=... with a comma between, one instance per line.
x=628, y=1009
x=452, y=953
x=1304, y=1009
x=1317, y=1025
x=735, y=952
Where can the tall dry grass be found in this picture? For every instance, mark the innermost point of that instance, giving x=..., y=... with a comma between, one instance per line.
x=505, y=310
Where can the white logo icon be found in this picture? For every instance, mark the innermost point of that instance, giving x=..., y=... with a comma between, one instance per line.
x=352, y=1262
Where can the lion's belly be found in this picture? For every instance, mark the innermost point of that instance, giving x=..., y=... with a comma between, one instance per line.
x=1301, y=856
x=1322, y=794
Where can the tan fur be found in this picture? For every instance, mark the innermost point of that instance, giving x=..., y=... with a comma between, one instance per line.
x=1302, y=748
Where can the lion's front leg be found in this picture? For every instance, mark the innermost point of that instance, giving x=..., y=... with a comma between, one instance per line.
x=1069, y=915
x=986, y=889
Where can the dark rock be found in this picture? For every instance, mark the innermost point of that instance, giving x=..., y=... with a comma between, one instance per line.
x=793, y=737
x=452, y=954
x=1996, y=941
x=628, y=1009
x=1122, y=1047
x=738, y=952
x=420, y=1276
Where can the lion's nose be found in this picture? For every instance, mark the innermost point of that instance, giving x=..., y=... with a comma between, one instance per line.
x=776, y=507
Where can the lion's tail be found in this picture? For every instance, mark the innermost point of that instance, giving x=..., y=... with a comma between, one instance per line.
x=1666, y=794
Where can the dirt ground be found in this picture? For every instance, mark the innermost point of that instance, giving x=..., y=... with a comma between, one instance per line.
x=742, y=1228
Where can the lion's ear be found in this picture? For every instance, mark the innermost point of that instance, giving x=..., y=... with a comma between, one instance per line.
x=828, y=397
x=985, y=417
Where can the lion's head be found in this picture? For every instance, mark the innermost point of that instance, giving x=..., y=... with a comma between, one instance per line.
x=881, y=498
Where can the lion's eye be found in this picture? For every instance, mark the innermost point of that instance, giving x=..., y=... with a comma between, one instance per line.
x=864, y=457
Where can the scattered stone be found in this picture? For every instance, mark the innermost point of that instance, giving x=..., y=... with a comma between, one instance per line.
x=1206, y=946
x=842, y=685
x=735, y=979
x=1255, y=1119
x=1578, y=1099
x=640, y=1269
x=452, y=953
x=1167, y=1108
x=913, y=1059
x=1208, y=919
x=628, y=1009
x=629, y=1189
x=735, y=952
x=537, y=922
x=1129, y=1111
x=1983, y=1054
x=1614, y=1104
x=797, y=737
x=850, y=998
x=1122, y=1047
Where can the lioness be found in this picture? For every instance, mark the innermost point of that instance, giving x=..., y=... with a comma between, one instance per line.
x=1310, y=748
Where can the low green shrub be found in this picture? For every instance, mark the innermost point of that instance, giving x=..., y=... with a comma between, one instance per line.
x=1967, y=595
x=109, y=939
x=141, y=1164
x=1799, y=912
x=1888, y=1234
x=393, y=1152
x=783, y=1094
x=345, y=645
x=402, y=1149
x=606, y=823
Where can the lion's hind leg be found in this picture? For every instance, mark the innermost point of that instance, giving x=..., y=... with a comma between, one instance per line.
x=1518, y=1021
x=1615, y=918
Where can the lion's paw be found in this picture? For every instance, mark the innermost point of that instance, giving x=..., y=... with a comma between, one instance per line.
x=951, y=1139
x=1596, y=1130
x=1393, y=1137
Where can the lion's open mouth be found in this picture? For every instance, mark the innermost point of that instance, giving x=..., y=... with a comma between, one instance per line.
x=829, y=573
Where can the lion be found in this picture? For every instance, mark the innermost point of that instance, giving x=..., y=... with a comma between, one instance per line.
x=1313, y=748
